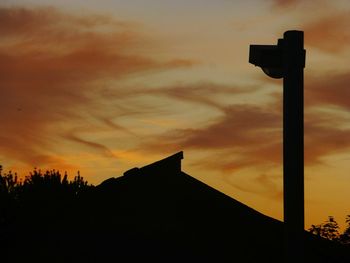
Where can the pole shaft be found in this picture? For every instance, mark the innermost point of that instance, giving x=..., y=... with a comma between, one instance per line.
x=293, y=145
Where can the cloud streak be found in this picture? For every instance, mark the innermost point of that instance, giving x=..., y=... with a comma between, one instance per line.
x=248, y=135
x=285, y=3
x=203, y=93
x=52, y=66
x=329, y=90
x=100, y=148
x=53, y=70
x=329, y=32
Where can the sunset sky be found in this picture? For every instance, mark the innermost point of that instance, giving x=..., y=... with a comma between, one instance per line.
x=102, y=86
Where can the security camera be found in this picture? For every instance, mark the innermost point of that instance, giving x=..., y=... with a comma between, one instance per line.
x=269, y=58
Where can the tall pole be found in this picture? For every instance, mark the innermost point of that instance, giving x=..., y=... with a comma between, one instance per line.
x=293, y=144
x=287, y=60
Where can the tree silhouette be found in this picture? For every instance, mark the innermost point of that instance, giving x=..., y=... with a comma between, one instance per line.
x=330, y=230
x=345, y=237
x=51, y=218
x=39, y=193
x=9, y=188
x=9, y=183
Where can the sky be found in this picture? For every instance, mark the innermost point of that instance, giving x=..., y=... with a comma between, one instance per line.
x=102, y=86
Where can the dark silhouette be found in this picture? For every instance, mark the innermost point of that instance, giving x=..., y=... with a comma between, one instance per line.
x=330, y=230
x=33, y=209
x=156, y=213
x=345, y=237
x=287, y=60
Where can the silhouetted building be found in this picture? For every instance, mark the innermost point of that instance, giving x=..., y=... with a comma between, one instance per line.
x=170, y=165
x=158, y=213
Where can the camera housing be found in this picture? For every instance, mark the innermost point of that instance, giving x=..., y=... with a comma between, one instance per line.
x=269, y=58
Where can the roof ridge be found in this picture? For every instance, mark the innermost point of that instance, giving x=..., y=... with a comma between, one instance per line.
x=171, y=163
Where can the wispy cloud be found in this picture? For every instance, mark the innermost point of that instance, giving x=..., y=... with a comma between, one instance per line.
x=249, y=135
x=204, y=93
x=53, y=70
x=52, y=67
x=325, y=23
x=252, y=133
x=329, y=89
x=329, y=32
x=100, y=148
x=285, y=3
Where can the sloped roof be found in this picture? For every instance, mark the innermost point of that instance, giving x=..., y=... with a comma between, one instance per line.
x=156, y=213
x=161, y=203
x=170, y=164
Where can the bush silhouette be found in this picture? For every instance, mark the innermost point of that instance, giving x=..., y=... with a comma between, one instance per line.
x=40, y=194
x=330, y=230
x=49, y=218
x=345, y=237
x=9, y=188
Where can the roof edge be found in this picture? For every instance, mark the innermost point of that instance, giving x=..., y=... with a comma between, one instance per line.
x=170, y=164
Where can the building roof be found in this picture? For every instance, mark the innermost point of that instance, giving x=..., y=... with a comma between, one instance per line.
x=170, y=164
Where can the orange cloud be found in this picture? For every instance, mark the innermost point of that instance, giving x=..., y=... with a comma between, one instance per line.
x=52, y=65
x=329, y=33
x=238, y=128
x=204, y=93
x=100, y=148
x=328, y=89
x=324, y=135
x=249, y=132
x=285, y=3
x=14, y=21
x=325, y=23
x=248, y=135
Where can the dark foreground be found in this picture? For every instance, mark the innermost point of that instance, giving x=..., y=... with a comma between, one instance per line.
x=153, y=214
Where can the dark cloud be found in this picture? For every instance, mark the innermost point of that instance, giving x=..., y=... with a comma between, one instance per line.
x=325, y=23
x=14, y=21
x=207, y=94
x=100, y=148
x=251, y=136
x=263, y=184
x=52, y=66
x=243, y=129
x=303, y=6
x=329, y=32
x=204, y=93
x=284, y=3
x=241, y=125
x=324, y=135
x=328, y=89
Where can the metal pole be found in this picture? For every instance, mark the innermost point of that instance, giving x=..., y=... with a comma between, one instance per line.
x=293, y=144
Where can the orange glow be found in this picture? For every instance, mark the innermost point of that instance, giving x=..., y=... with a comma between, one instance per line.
x=102, y=92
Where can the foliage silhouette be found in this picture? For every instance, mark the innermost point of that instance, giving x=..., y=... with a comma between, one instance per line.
x=33, y=209
x=155, y=213
x=345, y=237
x=9, y=187
x=38, y=191
x=330, y=230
